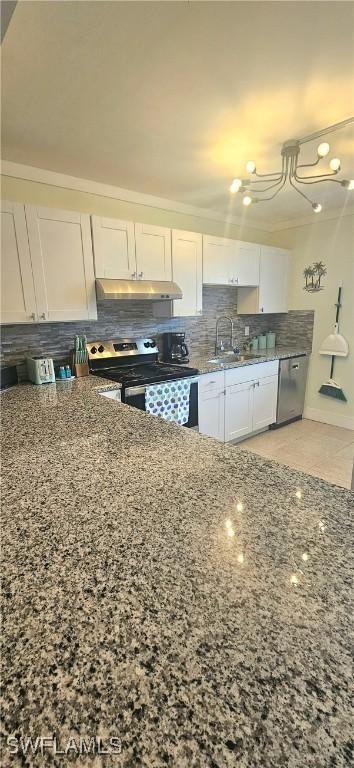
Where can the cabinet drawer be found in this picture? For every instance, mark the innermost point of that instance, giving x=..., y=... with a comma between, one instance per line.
x=211, y=382
x=251, y=372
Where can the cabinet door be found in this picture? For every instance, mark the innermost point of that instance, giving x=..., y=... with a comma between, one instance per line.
x=273, y=288
x=238, y=410
x=114, y=248
x=62, y=260
x=211, y=412
x=218, y=255
x=187, y=262
x=246, y=263
x=265, y=402
x=153, y=252
x=18, y=303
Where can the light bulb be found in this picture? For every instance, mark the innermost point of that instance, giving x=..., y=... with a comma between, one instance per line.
x=235, y=186
x=317, y=207
x=230, y=532
x=240, y=558
x=294, y=579
x=323, y=149
x=305, y=557
x=334, y=164
x=247, y=200
x=239, y=506
x=250, y=166
x=298, y=494
x=348, y=183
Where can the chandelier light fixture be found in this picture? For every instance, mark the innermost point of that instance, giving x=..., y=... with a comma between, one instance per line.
x=291, y=171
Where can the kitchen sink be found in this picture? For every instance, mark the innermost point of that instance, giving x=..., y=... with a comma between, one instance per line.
x=231, y=357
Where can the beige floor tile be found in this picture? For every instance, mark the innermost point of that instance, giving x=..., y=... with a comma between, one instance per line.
x=338, y=469
x=347, y=435
x=322, y=446
x=270, y=439
x=347, y=452
x=303, y=426
x=296, y=456
x=310, y=446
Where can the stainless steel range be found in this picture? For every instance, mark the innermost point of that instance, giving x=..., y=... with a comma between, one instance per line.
x=134, y=364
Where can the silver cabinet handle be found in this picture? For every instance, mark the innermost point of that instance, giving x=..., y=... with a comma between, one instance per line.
x=236, y=280
x=134, y=275
x=262, y=309
x=32, y=316
x=140, y=275
x=43, y=316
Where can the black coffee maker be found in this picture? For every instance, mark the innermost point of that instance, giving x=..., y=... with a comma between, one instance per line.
x=174, y=348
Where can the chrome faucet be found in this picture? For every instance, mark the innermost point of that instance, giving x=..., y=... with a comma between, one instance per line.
x=219, y=346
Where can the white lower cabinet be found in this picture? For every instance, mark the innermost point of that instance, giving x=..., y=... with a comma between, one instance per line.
x=239, y=401
x=238, y=410
x=211, y=405
x=212, y=415
x=265, y=394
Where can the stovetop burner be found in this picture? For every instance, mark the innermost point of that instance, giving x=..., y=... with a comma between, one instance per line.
x=145, y=374
x=133, y=362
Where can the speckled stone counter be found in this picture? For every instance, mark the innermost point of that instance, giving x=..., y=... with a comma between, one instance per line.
x=206, y=365
x=188, y=597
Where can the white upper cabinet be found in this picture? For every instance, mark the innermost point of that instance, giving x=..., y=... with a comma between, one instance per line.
x=153, y=252
x=246, y=260
x=217, y=260
x=273, y=286
x=18, y=302
x=187, y=271
x=272, y=294
x=114, y=248
x=230, y=262
x=62, y=262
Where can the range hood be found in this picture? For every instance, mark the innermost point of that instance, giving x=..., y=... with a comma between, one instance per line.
x=143, y=290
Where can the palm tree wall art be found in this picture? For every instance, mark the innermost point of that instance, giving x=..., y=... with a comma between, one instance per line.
x=313, y=275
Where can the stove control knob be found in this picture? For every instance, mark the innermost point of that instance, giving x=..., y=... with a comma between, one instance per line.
x=146, y=344
x=153, y=343
x=101, y=348
x=93, y=350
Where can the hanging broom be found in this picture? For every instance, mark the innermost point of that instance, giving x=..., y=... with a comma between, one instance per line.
x=334, y=345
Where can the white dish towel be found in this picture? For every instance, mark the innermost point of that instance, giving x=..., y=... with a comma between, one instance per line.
x=170, y=400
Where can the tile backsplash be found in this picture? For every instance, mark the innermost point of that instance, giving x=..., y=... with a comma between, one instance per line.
x=136, y=319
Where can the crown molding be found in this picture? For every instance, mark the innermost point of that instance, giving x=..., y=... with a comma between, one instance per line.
x=314, y=218
x=52, y=178
x=64, y=181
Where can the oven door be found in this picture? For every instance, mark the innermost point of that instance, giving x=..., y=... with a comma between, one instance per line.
x=135, y=396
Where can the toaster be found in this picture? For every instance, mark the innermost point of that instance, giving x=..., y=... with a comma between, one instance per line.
x=40, y=370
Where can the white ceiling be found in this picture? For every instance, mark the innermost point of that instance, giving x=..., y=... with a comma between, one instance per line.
x=171, y=98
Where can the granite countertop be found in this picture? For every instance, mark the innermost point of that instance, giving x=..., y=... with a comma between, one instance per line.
x=205, y=363
x=190, y=598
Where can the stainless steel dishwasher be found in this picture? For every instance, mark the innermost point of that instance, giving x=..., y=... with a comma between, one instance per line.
x=291, y=389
